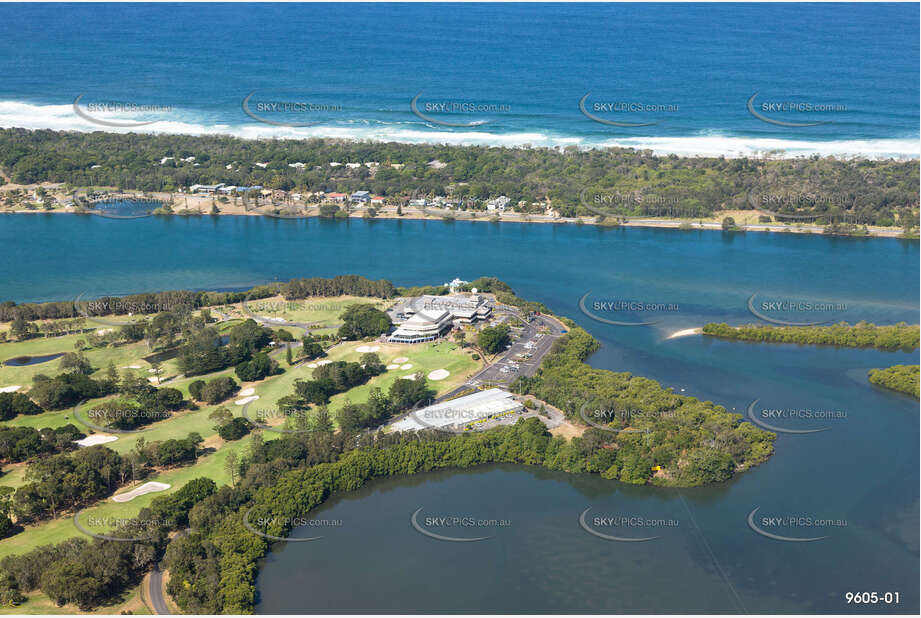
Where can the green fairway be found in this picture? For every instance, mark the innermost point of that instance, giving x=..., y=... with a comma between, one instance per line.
x=424, y=358
x=55, y=531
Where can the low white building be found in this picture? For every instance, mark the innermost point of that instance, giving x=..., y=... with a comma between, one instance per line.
x=206, y=188
x=464, y=308
x=461, y=413
x=500, y=203
x=423, y=326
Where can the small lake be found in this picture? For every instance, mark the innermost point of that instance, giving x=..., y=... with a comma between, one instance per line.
x=23, y=361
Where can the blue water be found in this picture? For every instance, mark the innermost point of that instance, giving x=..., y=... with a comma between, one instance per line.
x=864, y=469
x=533, y=63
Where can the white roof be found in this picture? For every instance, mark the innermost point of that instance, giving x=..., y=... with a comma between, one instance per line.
x=460, y=411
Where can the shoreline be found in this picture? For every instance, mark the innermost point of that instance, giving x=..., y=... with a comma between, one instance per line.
x=416, y=215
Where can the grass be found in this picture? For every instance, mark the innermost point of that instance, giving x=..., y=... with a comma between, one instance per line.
x=424, y=357
x=39, y=603
x=57, y=530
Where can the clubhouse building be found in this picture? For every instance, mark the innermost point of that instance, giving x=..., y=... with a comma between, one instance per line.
x=429, y=317
x=423, y=326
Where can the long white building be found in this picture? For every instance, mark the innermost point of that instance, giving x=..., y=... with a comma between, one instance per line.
x=423, y=326
x=467, y=309
x=457, y=414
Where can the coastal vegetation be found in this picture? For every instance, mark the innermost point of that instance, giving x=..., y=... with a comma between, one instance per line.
x=624, y=182
x=901, y=378
x=332, y=405
x=649, y=434
x=899, y=336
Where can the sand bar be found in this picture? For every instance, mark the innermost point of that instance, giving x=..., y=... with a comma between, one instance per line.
x=685, y=333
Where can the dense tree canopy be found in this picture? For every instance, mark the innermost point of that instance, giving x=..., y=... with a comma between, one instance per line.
x=626, y=181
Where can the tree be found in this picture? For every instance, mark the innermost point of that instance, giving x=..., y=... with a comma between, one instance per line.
x=494, y=339
x=218, y=389
x=76, y=362
x=728, y=224
x=157, y=370
x=311, y=350
x=230, y=465
x=195, y=389
x=222, y=415
x=259, y=367
x=363, y=320
x=235, y=429
x=20, y=328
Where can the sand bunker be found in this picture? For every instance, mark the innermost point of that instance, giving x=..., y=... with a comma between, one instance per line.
x=367, y=348
x=686, y=332
x=393, y=366
x=10, y=389
x=312, y=365
x=95, y=439
x=247, y=391
x=406, y=366
x=409, y=377
x=131, y=367
x=147, y=488
x=323, y=362
x=400, y=360
x=439, y=374
x=246, y=400
x=105, y=331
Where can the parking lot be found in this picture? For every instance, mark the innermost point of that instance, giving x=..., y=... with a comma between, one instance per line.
x=530, y=343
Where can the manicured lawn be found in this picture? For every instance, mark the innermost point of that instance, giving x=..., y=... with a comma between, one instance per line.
x=310, y=310
x=55, y=531
x=39, y=603
x=424, y=358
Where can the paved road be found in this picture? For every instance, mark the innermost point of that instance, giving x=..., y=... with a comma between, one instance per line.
x=155, y=585
x=492, y=374
x=155, y=592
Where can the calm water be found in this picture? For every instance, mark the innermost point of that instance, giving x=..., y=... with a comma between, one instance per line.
x=863, y=470
x=22, y=361
x=701, y=62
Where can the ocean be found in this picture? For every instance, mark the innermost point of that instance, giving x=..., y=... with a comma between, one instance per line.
x=689, y=79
